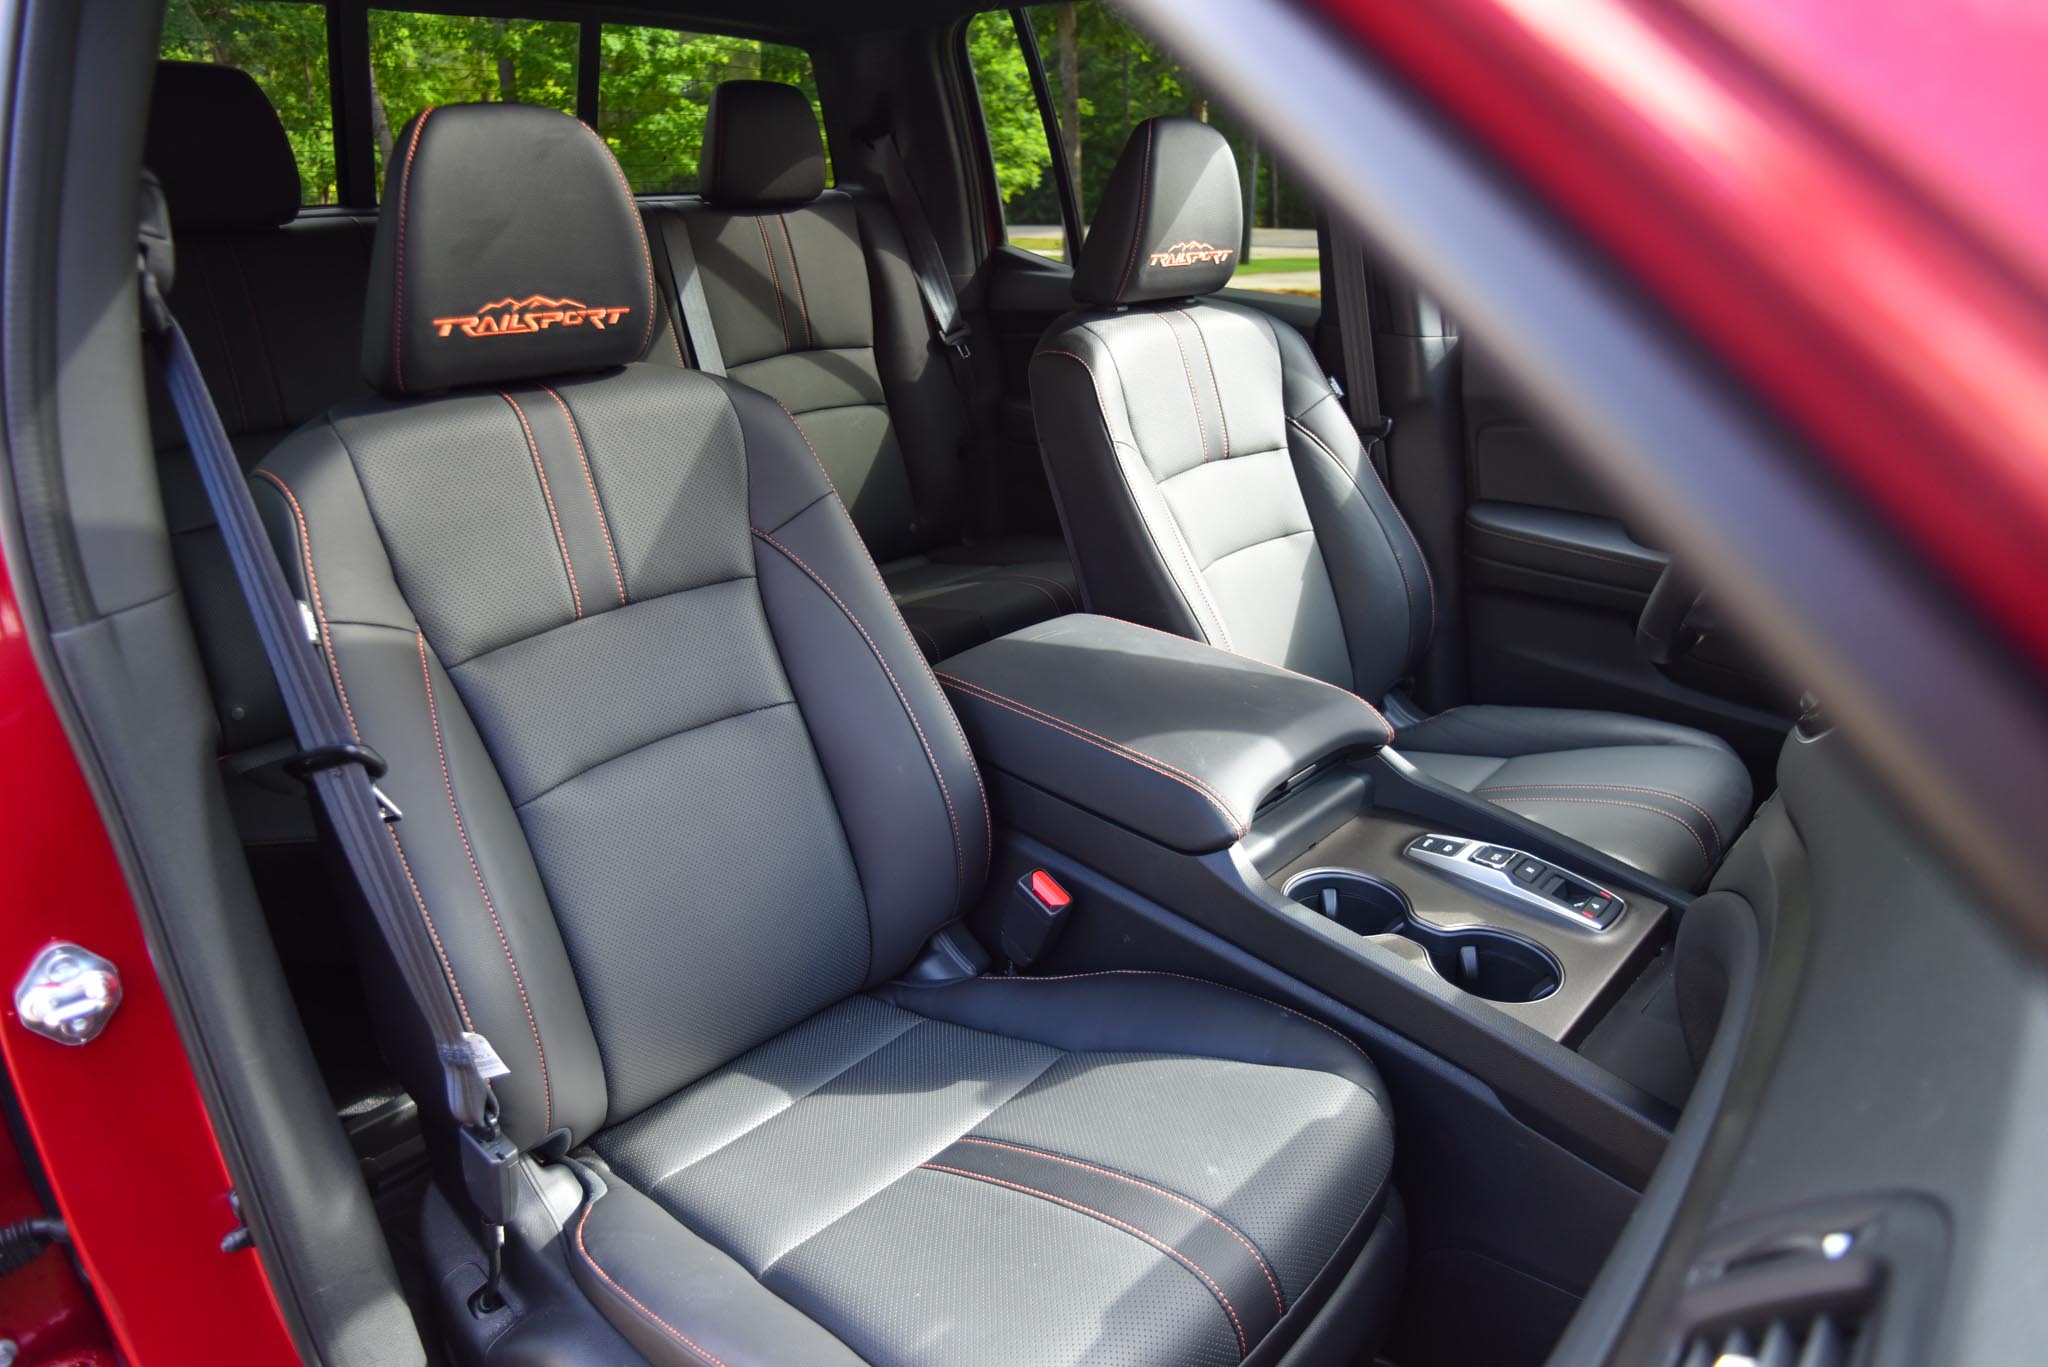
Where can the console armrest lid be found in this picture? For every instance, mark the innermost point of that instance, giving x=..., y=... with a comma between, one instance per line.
x=1176, y=740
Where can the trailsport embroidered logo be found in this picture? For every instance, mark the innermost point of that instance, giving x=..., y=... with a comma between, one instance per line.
x=1192, y=254
x=534, y=313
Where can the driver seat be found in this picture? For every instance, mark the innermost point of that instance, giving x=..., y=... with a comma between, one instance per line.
x=1212, y=485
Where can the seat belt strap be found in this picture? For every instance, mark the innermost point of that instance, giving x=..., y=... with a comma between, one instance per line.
x=339, y=768
x=1361, y=391
x=927, y=262
x=978, y=384
x=689, y=295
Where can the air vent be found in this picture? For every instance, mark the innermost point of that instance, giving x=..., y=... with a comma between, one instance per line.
x=1826, y=1339
x=1843, y=1283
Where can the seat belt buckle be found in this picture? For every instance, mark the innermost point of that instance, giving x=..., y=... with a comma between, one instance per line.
x=490, y=1172
x=1036, y=915
x=957, y=339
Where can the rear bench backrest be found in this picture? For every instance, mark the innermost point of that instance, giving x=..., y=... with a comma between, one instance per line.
x=813, y=301
x=273, y=306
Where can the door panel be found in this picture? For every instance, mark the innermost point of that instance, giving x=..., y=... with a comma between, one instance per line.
x=1555, y=583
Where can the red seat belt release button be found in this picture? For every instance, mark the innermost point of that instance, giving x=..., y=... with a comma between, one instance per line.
x=1048, y=893
x=1034, y=918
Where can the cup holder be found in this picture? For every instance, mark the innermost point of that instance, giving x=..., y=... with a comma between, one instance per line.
x=1487, y=963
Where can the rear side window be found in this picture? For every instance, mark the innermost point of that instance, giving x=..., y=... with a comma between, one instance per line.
x=283, y=45
x=417, y=60
x=1105, y=79
x=654, y=87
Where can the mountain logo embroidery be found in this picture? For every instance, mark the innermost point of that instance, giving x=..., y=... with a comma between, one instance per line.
x=534, y=313
x=1192, y=254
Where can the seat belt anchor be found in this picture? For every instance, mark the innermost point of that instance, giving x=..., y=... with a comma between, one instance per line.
x=307, y=763
x=490, y=1175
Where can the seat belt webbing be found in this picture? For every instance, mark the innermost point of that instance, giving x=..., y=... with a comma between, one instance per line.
x=689, y=295
x=1354, y=327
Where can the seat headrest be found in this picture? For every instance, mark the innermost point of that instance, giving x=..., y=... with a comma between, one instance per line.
x=762, y=148
x=217, y=147
x=1170, y=221
x=508, y=247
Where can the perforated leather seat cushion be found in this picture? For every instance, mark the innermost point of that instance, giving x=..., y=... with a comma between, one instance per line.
x=1125, y=1168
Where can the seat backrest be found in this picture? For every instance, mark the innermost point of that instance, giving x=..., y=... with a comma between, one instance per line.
x=813, y=301
x=272, y=304
x=674, y=775
x=1209, y=480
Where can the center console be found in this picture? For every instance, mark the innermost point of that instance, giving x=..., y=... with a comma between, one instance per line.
x=1268, y=809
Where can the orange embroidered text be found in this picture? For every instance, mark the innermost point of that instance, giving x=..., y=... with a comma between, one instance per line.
x=534, y=313
x=1192, y=254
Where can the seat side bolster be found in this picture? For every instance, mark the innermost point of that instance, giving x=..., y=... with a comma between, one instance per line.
x=472, y=875
x=1130, y=556
x=1137, y=1011
x=888, y=741
x=678, y=1299
x=1386, y=593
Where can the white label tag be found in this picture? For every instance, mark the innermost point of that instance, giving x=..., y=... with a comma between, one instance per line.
x=488, y=1064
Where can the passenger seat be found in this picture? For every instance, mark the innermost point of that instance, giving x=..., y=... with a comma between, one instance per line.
x=813, y=302
x=1214, y=486
x=682, y=804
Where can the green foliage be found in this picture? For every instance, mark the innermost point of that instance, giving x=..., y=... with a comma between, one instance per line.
x=284, y=46
x=417, y=60
x=1016, y=131
x=1122, y=79
x=654, y=87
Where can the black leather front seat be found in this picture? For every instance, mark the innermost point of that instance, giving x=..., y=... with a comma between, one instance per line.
x=1212, y=485
x=681, y=802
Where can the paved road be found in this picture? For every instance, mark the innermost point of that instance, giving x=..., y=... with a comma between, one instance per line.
x=1267, y=242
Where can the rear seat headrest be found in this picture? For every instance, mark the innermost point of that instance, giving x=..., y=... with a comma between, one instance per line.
x=216, y=145
x=762, y=148
x=1171, y=218
x=508, y=247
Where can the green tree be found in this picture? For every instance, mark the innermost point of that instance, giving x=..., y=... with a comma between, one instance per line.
x=284, y=47
x=1016, y=131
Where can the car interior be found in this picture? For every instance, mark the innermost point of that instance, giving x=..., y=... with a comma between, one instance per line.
x=982, y=804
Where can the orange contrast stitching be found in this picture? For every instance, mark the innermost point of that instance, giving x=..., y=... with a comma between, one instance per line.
x=590, y=482
x=1378, y=715
x=630, y=1298
x=548, y=494
x=988, y=834
x=1117, y=748
x=334, y=669
x=1168, y=1249
x=1222, y=418
x=319, y=606
x=775, y=278
x=797, y=277
x=448, y=783
x=1144, y=193
x=1279, y=1303
x=952, y=817
x=1194, y=399
x=1348, y=1042
x=1428, y=579
x=1187, y=556
x=646, y=253
x=1611, y=788
x=1683, y=824
x=404, y=203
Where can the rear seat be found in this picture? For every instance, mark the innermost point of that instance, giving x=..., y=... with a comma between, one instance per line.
x=272, y=303
x=813, y=301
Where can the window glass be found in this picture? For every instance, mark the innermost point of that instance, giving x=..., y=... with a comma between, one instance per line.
x=284, y=47
x=1106, y=79
x=654, y=87
x=418, y=60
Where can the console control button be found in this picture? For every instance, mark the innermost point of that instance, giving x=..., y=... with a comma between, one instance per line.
x=1494, y=856
x=1528, y=870
x=1441, y=844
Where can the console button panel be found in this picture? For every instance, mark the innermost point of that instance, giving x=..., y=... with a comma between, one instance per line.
x=1519, y=879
